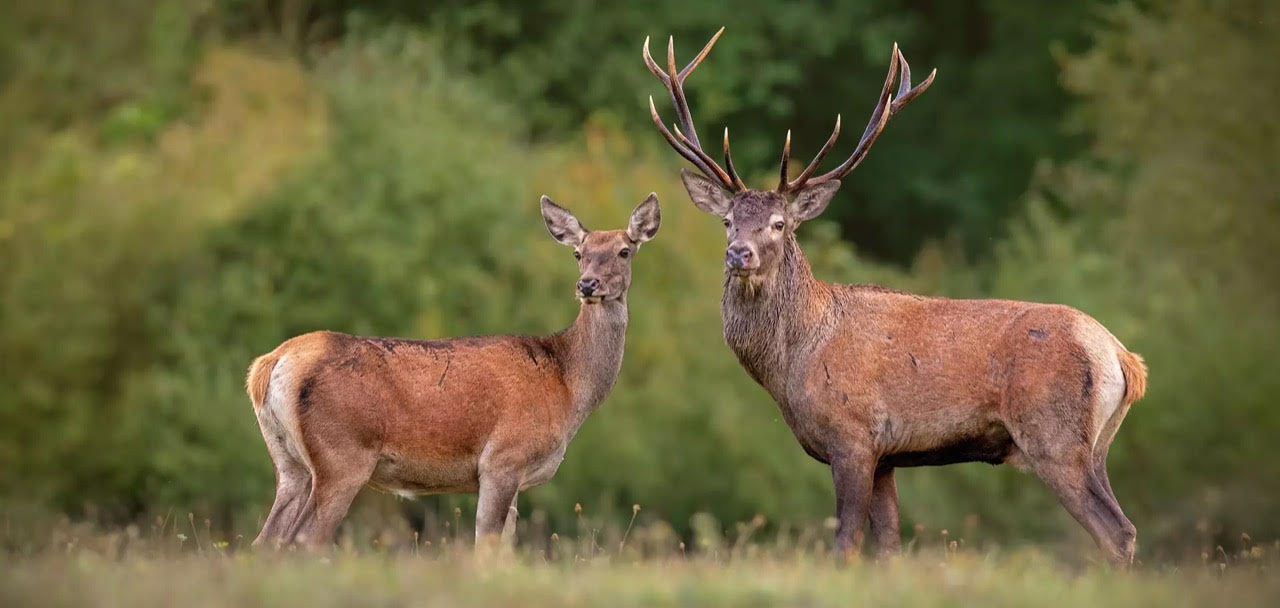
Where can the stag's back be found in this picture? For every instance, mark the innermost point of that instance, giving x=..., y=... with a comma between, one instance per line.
x=958, y=358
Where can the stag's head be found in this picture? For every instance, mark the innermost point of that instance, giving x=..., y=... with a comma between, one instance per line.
x=759, y=222
x=604, y=256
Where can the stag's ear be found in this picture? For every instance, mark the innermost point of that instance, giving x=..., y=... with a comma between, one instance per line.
x=645, y=220
x=562, y=225
x=813, y=200
x=706, y=194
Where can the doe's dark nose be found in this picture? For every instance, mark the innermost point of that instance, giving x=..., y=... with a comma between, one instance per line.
x=587, y=287
x=737, y=256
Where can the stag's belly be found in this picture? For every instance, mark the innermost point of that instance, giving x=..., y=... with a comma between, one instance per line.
x=991, y=444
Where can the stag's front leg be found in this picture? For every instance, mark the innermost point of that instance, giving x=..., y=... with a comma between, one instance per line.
x=884, y=513
x=853, y=475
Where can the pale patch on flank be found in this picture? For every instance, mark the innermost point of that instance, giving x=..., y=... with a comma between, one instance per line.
x=1108, y=379
x=281, y=403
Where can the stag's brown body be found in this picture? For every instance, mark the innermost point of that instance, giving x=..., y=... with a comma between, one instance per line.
x=871, y=379
x=490, y=414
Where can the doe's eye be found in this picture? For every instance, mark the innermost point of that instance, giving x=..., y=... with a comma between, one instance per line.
x=577, y=255
x=779, y=225
x=726, y=223
x=624, y=253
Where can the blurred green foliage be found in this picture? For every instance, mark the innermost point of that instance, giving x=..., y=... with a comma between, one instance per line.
x=792, y=66
x=183, y=192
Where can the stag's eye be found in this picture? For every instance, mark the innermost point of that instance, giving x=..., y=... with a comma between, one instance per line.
x=625, y=253
x=779, y=225
x=577, y=255
x=726, y=222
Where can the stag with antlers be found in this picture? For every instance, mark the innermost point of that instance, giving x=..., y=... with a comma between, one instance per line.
x=871, y=379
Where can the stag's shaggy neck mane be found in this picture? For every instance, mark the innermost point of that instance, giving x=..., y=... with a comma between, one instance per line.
x=772, y=322
x=590, y=353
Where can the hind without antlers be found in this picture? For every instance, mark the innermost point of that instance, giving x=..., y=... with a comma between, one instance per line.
x=489, y=414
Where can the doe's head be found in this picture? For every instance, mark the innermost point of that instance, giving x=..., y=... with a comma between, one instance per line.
x=604, y=256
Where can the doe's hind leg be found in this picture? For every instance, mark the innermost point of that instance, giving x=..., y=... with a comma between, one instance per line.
x=292, y=490
x=333, y=487
x=293, y=486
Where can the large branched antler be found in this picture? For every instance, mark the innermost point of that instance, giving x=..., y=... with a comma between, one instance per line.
x=685, y=140
x=886, y=106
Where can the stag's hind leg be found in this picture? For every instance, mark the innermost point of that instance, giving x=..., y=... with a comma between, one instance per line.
x=1100, y=449
x=1058, y=454
x=1103, y=445
x=1062, y=406
x=1086, y=497
x=1055, y=448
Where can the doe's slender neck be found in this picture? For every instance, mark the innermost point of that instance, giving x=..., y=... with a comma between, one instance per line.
x=590, y=353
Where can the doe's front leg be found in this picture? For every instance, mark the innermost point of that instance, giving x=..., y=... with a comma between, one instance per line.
x=497, y=499
x=509, y=528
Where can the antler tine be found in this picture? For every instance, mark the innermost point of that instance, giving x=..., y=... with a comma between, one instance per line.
x=879, y=118
x=683, y=74
x=688, y=144
x=801, y=179
x=676, y=85
x=786, y=160
x=905, y=92
x=675, y=143
x=904, y=74
x=688, y=69
x=716, y=171
x=728, y=160
x=653, y=65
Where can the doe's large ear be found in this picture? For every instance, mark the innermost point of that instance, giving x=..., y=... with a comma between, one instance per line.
x=812, y=201
x=564, y=227
x=706, y=194
x=645, y=220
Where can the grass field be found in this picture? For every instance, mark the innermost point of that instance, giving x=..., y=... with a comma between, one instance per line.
x=78, y=565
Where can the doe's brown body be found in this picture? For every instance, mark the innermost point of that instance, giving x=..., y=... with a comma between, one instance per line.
x=489, y=414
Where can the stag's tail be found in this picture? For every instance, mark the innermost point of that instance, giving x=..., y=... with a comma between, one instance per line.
x=1135, y=376
x=260, y=377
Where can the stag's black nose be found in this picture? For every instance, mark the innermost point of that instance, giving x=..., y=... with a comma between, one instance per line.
x=737, y=256
x=587, y=287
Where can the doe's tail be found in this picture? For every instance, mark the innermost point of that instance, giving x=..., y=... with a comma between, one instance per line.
x=260, y=376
